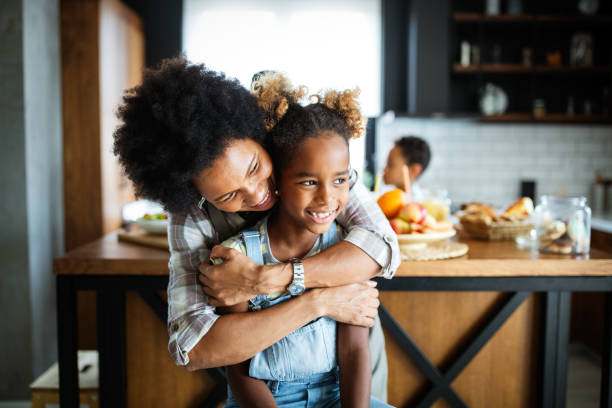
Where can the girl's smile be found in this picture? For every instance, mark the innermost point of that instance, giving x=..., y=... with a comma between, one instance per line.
x=322, y=217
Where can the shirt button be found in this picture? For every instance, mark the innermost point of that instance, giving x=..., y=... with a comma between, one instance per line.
x=388, y=239
x=175, y=327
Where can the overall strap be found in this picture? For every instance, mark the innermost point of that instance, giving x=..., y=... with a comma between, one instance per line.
x=253, y=245
x=218, y=222
x=330, y=237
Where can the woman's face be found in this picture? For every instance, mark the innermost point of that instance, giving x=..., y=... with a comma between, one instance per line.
x=315, y=188
x=240, y=180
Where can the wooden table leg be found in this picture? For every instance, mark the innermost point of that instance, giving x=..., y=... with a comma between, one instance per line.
x=111, y=347
x=555, y=348
x=606, y=358
x=564, y=307
x=67, y=341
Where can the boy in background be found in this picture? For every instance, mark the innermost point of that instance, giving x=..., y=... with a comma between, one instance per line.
x=406, y=162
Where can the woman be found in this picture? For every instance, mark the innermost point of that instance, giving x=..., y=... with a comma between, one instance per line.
x=192, y=140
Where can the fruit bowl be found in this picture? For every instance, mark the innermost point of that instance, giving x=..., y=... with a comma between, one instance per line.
x=155, y=227
x=156, y=224
x=420, y=241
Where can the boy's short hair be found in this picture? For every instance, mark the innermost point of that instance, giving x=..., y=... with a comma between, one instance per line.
x=415, y=150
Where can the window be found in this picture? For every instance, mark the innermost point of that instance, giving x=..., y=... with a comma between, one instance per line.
x=321, y=44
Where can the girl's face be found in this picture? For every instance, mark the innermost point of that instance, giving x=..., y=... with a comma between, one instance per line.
x=315, y=188
x=240, y=180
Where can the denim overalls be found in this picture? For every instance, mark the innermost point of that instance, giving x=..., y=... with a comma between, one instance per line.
x=301, y=368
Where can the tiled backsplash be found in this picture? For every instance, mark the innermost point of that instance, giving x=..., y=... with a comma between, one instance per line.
x=486, y=162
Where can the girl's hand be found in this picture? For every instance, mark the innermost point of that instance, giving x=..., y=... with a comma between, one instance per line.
x=234, y=281
x=355, y=304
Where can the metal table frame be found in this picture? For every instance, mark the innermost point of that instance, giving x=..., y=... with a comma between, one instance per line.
x=110, y=291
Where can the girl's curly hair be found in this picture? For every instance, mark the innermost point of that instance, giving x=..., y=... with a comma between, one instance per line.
x=289, y=122
x=176, y=123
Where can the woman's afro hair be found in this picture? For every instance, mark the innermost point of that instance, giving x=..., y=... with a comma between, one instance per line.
x=176, y=123
x=289, y=122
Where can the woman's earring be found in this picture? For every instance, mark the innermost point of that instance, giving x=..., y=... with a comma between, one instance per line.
x=275, y=192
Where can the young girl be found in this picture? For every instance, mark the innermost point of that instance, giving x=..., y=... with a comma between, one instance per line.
x=310, y=146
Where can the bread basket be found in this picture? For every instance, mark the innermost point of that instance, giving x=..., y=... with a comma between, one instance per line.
x=494, y=230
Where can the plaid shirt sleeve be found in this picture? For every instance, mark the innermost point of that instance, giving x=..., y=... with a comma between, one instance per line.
x=369, y=229
x=189, y=315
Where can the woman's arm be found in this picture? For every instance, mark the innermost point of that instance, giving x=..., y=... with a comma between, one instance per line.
x=369, y=248
x=355, y=367
x=237, y=337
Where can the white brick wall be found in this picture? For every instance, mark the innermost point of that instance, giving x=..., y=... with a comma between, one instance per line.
x=486, y=162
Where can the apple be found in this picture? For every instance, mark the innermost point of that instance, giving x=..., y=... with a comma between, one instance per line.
x=416, y=228
x=440, y=226
x=400, y=226
x=413, y=212
x=429, y=221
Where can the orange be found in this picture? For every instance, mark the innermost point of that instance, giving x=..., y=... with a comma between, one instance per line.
x=391, y=202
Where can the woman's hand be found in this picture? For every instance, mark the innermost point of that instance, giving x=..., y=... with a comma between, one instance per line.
x=234, y=281
x=355, y=304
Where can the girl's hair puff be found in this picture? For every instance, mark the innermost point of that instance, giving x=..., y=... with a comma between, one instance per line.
x=346, y=105
x=274, y=94
x=289, y=123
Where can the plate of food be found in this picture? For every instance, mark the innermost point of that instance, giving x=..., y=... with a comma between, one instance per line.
x=154, y=223
x=416, y=241
x=414, y=226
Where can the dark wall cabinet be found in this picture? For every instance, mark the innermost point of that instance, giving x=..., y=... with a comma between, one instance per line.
x=526, y=51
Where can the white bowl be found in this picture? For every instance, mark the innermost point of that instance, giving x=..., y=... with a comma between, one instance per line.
x=157, y=227
x=420, y=241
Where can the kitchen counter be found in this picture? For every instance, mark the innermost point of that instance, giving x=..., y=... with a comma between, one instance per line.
x=431, y=336
x=602, y=222
x=108, y=256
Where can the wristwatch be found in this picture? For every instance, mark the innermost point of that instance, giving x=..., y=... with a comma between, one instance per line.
x=297, y=285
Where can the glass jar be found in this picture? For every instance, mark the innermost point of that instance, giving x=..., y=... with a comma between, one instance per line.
x=563, y=225
x=539, y=108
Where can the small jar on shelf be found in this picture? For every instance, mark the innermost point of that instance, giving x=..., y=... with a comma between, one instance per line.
x=539, y=108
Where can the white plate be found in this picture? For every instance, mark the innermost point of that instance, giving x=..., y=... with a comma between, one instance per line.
x=419, y=241
x=157, y=227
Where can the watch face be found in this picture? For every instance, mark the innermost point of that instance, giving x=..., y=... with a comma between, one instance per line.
x=295, y=289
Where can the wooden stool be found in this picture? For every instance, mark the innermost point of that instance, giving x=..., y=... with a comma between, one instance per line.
x=45, y=389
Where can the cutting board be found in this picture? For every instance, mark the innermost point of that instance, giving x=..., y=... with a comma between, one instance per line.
x=140, y=237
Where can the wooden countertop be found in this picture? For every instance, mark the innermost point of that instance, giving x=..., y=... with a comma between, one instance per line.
x=108, y=256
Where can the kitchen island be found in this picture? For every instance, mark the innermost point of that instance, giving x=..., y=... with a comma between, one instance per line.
x=487, y=329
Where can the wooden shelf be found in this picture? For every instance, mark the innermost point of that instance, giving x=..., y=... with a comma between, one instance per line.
x=550, y=117
x=498, y=18
x=562, y=117
x=579, y=18
x=492, y=68
x=508, y=117
x=528, y=18
x=585, y=69
x=521, y=69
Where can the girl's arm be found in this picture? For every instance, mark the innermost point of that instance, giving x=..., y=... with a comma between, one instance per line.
x=247, y=391
x=369, y=249
x=355, y=368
